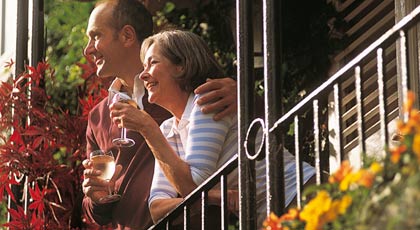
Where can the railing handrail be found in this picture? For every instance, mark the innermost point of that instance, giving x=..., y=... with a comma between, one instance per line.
x=391, y=33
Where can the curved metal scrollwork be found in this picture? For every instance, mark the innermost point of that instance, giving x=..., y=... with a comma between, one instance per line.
x=251, y=141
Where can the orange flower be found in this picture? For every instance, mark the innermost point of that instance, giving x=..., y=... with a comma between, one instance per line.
x=416, y=145
x=338, y=176
x=396, y=153
x=292, y=214
x=366, y=178
x=408, y=105
x=272, y=223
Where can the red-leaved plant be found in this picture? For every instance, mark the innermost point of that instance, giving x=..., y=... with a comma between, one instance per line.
x=42, y=146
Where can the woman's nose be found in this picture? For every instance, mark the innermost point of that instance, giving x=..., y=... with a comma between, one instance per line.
x=144, y=75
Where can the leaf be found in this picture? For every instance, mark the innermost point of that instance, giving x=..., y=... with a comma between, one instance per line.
x=5, y=89
x=89, y=69
x=16, y=138
x=9, y=64
x=19, y=219
x=5, y=182
x=38, y=199
x=36, y=223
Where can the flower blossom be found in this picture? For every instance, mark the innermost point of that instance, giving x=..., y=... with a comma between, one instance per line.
x=323, y=209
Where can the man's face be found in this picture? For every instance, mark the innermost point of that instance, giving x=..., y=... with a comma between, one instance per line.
x=104, y=45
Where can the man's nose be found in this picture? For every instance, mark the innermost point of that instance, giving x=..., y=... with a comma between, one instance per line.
x=88, y=49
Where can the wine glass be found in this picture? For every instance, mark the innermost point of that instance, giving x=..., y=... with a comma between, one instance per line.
x=104, y=162
x=123, y=141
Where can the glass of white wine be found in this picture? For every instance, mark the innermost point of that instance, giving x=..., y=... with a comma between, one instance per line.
x=123, y=141
x=104, y=162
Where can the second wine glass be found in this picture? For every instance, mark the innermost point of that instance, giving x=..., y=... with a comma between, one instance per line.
x=123, y=140
x=105, y=162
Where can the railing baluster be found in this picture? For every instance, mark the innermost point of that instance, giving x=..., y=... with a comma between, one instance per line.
x=204, y=198
x=316, y=142
x=299, y=180
x=186, y=217
x=223, y=204
x=360, y=112
x=382, y=100
x=339, y=127
x=402, y=54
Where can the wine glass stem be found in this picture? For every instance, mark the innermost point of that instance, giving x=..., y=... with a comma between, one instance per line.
x=123, y=133
x=109, y=190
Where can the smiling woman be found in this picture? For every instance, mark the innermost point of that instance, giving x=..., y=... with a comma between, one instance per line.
x=190, y=146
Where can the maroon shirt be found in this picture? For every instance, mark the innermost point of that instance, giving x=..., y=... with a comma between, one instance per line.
x=132, y=211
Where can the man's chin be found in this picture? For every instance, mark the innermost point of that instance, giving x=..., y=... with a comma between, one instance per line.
x=103, y=75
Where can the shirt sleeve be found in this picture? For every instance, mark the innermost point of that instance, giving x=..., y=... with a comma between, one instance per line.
x=203, y=150
x=205, y=142
x=161, y=187
x=101, y=214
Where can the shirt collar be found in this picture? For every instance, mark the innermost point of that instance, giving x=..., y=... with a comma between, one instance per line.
x=138, y=90
x=185, y=118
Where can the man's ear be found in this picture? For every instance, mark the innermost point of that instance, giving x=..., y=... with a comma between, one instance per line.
x=128, y=35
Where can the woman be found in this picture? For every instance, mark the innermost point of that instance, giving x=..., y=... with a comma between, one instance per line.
x=190, y=146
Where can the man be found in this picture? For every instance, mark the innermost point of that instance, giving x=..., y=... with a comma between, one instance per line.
x=116, y=29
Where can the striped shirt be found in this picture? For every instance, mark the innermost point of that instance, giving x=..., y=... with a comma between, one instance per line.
x=208, y=145
x=200, y=141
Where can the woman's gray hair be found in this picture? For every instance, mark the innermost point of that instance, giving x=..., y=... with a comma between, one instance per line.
x=186, y=49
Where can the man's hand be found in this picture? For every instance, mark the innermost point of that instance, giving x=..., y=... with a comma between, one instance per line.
x=220, y=97
x=94, y=187
x=215, y=197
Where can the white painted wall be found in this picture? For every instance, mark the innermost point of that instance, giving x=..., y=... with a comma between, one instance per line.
x=8, y=16
x=8, y=27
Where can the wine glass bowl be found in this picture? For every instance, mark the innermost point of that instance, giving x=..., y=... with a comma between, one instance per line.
x=105, y=163
x=123, y=140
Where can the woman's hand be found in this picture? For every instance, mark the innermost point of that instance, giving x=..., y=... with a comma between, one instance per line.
x=220, y=97
x=128, y=116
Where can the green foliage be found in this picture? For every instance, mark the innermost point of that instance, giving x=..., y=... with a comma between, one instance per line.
x=211, y=21
x=311, y=37
x=66, y=23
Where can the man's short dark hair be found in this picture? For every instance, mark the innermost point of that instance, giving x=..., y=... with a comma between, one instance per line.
x=133, y=13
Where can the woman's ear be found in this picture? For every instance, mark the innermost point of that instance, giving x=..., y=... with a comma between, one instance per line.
x=179, y=70
x=128, y=35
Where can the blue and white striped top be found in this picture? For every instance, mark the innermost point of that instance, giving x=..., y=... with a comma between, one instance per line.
x=200, y=141
x=208, y=145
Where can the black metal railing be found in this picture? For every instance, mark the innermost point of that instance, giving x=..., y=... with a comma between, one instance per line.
x=316, y=104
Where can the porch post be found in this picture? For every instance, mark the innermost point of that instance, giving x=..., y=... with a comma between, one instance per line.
x=37, y=53
x=273, y=107
x=245, y=88
x=20, y=60
x=21, y=36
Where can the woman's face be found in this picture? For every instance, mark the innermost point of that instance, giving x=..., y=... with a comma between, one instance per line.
x=158, y=76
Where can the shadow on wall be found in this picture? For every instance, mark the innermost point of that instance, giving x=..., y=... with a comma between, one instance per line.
x=374, y=143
